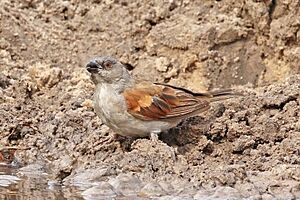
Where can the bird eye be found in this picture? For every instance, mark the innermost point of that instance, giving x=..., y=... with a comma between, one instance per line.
x=107, y=64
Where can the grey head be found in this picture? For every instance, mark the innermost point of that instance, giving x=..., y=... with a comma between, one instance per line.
x=106, y=69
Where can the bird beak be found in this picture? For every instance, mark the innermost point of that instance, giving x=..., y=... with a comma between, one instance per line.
x=93, y=67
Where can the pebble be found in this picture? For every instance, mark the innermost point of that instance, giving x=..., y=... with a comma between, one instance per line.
x=126, y=184
x=102, y=191
x=167, y=187
x=152, y=190
x=90, y=177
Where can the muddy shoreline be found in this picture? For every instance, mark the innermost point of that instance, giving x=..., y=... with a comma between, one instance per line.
x=247, y=146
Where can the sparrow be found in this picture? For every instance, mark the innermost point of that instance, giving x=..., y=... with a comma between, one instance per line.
x=141, y=109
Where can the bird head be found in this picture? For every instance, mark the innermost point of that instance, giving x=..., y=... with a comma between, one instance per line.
x=106, y=69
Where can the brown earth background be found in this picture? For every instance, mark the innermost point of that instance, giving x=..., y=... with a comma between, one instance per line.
x=249, y=144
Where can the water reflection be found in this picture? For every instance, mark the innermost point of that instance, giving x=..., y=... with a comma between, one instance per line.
x=8, y=183
x=16, y=184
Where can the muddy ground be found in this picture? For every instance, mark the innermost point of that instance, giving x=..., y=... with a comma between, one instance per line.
x=250, y=144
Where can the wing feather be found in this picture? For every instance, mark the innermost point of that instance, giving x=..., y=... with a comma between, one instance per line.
x=162, y=102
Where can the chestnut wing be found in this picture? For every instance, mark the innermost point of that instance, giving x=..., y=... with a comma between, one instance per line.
x=153, y=102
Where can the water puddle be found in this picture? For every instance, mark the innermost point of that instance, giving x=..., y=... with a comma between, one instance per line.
x=17, y=184
x=103, y=182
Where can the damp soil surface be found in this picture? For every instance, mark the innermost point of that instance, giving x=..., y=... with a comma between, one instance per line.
x=244, y=147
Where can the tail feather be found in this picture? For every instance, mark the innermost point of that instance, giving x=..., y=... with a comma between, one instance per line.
x=220, y=95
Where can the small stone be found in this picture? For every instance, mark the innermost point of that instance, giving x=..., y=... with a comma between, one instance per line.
x=243, y=143
x=152, y=190
x=103, y=190
x=126, y=184
x=162, y=64
x=167, y=187
x=89, y=177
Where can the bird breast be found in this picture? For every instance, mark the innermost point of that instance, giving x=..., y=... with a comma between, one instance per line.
x=111, y=107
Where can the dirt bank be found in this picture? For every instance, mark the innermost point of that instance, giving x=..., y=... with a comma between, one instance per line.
x=249, y=143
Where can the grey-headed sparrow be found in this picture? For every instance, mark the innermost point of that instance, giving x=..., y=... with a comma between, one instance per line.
x=140, y=109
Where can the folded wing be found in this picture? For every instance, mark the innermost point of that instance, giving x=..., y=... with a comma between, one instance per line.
x=159, y=101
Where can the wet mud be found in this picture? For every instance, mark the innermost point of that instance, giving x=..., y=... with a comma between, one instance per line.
x=245, y=147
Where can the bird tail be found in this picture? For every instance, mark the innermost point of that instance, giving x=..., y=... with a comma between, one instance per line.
x=220, y=95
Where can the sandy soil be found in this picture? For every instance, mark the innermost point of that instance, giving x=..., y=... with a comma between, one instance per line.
x=251, y=144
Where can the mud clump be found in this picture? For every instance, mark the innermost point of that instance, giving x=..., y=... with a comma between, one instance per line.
x=246, y=146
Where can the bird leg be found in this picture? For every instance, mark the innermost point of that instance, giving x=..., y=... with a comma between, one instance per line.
x=154, y=136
